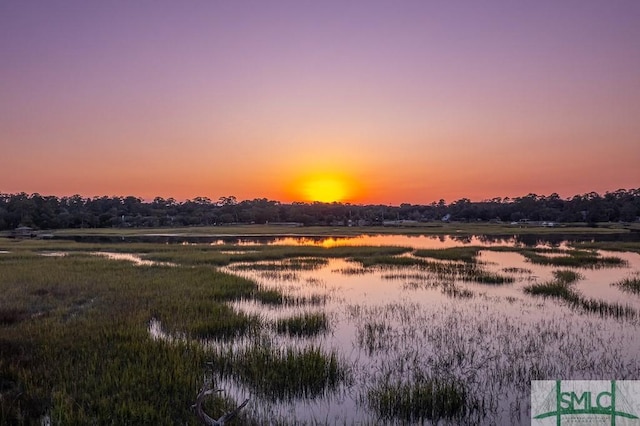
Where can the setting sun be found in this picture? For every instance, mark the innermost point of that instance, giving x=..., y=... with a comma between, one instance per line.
x=325, y=189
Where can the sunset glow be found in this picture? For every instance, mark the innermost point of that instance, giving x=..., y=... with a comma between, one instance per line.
x=324, y=186
x=415, y=100
x=325, y=189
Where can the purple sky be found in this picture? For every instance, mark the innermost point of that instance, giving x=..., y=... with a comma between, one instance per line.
x=403, y=101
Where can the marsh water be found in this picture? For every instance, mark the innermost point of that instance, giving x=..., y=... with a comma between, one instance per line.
x=393, y=325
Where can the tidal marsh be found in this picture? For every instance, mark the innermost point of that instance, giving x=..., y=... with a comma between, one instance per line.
x=321, y=336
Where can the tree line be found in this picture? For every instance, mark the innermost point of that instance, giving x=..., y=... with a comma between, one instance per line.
x=51, y=212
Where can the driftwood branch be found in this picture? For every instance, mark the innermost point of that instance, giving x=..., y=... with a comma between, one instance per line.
x=207, y=420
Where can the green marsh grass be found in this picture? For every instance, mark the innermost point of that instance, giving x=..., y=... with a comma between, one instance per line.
x=448, y=271
x=304, y=325
x=272, y=257
x=567, y=276
x=419, y=400
x=461, y=254
x=295, y=264
x=275, y=297
x=486, y=277
x=561, y=288
x=269, y=296
x=75, y=343
x=219, y=321
x=386, y=261
x=284, y=373
x=572, y=258
x=557, y=289
x=470, y=272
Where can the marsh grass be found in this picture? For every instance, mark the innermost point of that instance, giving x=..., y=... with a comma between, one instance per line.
x=516, y=270
x=561, y=288
x=277, y=297
x=284, y=373
x=567, y=276
x=387, y=261
x=631, y=284
x=74, y=342
x=461, y=254
x=469, y=272
x=279, y=275
x=632, y=246
x=572, y=258
x=353, y=271
x=304, y=325
x=456, y=292
x=296, y=264
x=419, y=400
x=404, y=276
x=374, y=336
x=269, y=296
x=606, y=309
x=555, y=289
x=287, y=252
x=274, y=258
x=486, y=277
x=451, y=271
x=222, y=322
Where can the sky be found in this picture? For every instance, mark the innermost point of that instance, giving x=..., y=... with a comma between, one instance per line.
x=356, y=101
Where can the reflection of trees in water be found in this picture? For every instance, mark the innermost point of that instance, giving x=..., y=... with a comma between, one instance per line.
x=464, y=239
x=555, y=240
x=526, y=240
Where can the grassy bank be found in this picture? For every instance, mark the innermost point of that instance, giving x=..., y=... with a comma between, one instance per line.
x=78, y=348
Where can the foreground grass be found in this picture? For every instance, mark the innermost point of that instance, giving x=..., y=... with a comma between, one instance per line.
x=74, y=342
x=284, y=373
x=419, y=400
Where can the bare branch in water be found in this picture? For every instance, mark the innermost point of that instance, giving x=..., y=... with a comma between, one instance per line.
x=207, y=420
